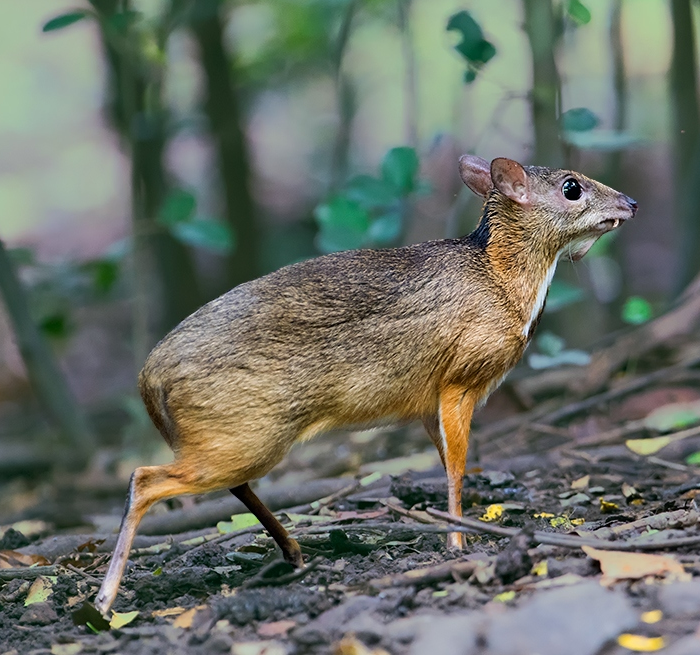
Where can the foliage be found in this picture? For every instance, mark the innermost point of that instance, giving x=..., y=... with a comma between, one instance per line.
x=552, y=353
x=368, y=211
x=178, y=216
x=636, y=310
x=474, y=48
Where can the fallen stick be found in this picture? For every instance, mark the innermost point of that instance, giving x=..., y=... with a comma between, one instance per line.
x=426, y=576
x=27, y=573
x=564, y=540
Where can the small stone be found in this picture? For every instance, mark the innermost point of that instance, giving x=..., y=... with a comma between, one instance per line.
x=680, y=599
x=576, y=499
x=39, y=614
x=218, y=643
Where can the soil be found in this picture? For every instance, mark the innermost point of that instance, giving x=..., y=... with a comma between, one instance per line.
x=226, y=589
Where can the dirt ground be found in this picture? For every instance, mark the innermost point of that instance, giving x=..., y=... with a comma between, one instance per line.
x=581, y=525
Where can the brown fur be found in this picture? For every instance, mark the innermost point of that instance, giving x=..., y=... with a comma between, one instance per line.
x=361, y=338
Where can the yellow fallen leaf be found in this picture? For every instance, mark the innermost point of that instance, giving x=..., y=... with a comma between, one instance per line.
x=617, y=565
x=608, y=507
x=640, y=643
x=120, y=619
x=66, y=649
x=492, y=513
x=648, y=446
x=40, y=590
x=577, y=522
x=540, y=568
x=504, y=597
x=653, y=616
x=543, y=515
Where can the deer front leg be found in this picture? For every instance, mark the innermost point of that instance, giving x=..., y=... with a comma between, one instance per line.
x=454, y=418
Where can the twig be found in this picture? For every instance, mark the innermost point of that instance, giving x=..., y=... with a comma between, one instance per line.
x=565, y=541
x=259, y=580
x=27, y=573
x=426, y=576
x=91, y=579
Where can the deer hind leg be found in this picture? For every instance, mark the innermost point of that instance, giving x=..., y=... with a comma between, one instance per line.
x=454, y=418
x=148, y=485
x=290, y=548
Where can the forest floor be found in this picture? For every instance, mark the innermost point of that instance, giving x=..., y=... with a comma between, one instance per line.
x=581, y=528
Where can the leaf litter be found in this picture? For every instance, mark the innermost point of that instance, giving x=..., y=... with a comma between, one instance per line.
x=570, y=512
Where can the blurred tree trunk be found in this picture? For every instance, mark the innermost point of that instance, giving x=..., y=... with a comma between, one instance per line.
x=223, y=109
x=136, y=113
x=541, y=30
x=45, y=376
x=345, y=101
x=686, y=129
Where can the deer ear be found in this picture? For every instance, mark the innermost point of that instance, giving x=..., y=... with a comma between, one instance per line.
x=476, y=174
x=510, y=179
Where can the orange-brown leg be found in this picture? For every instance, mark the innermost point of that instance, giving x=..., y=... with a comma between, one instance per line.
x=148, y=485
x=454, y=419
x=290, y=548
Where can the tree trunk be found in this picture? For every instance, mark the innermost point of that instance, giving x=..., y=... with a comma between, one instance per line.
x=223, y=109
x=687, y=151
x=44, y=374
x=540, y=26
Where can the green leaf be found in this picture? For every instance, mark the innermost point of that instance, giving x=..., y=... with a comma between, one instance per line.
x=343, y=225
x=64, y=20
x=550, y=344
x=386, y=229
x=571, y=357
x=602, y=140
x=636, y=310
x=104, y=274
x=120, y=619
x=579, y=119
x=693, y=459
x=370, y=192
x=211, y=235
x=473, y=47
x=55, y=325
x=178, y=206
x=237, y=522
x=674, y=416
x=578, y=12
x=399, y=169
x=562, y=294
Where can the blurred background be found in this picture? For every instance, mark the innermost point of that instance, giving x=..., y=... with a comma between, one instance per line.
x=156, y=153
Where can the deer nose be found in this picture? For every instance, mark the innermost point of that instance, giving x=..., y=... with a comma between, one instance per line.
x=632, y=204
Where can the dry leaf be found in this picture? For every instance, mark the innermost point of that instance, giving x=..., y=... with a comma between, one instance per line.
x=258, y=648
x=168, y=611
x=186, y=619
x=640, y=643
x=617, y=565
x=276, y=628
x=581, y=483
x=40, y=590
x=66, y=649
x=352, y=646
x=120, y=619
x=12, y=559
x=29, y=528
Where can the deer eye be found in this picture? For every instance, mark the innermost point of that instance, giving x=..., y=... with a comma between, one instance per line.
x=571, y=189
